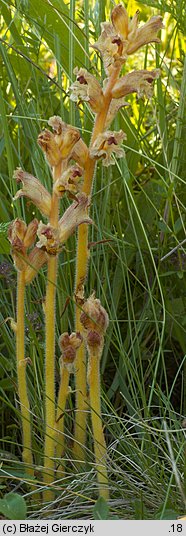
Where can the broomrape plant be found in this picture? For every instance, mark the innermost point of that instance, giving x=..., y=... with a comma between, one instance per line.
x=73, y=166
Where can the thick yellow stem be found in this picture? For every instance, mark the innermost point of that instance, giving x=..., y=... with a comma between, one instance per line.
x=60, y=413
x=98, y=436
x=21, y=375
x=50, y=306
x=81, y=272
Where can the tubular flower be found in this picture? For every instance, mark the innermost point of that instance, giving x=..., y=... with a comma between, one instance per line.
x=133, y=37
x=139, y=82
x=21, y=238
x=87, y=88
x=74, y=216
x=48, y=238
x=123, y=37
x=69, y=345
x=110, y=46
x=36, y=259
x=34, y=190
x=80, y=153
x=114, y=108
x=69, y=181
x=106, y=144
x=58, y=145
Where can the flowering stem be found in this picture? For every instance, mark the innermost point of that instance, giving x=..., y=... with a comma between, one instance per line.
x=81, y=272
x=49, y=448
x=98, y=436
x=60, y=413
x=21, y=375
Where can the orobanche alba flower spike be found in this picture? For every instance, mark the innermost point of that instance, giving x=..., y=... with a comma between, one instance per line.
x=119, y=38
x=72, y=165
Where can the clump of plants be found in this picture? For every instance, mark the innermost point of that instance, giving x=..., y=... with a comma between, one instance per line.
x=73, y=165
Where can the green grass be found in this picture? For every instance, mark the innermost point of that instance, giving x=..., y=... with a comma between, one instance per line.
x=139, y=210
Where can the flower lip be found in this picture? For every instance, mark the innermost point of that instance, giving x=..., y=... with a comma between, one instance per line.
x=81, y=80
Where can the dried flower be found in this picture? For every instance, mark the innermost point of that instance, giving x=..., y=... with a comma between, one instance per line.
x=94, y=317
x=87, y=88
x=48, y=238
x=95, y=321
x=136, y=82
x=74, y=216
x=69, y=345
x=106, y=144
x=69, y=181
x=34, y=190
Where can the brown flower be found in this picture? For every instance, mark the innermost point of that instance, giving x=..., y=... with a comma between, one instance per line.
x=69, y=345
x=94, y=316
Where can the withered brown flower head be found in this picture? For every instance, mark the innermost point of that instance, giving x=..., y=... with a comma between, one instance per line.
x=69, y=345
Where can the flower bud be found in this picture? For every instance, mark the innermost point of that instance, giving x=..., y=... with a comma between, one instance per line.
x=34, y=190
x=94, y=340
x=69, y=345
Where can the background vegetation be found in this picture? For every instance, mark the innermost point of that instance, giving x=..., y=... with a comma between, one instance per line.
x=139, y=211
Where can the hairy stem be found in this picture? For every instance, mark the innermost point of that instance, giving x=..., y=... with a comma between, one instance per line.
x=21, y=375
x=60, y=414
x=50, y=305
x=81, y=272
x=98, y=436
